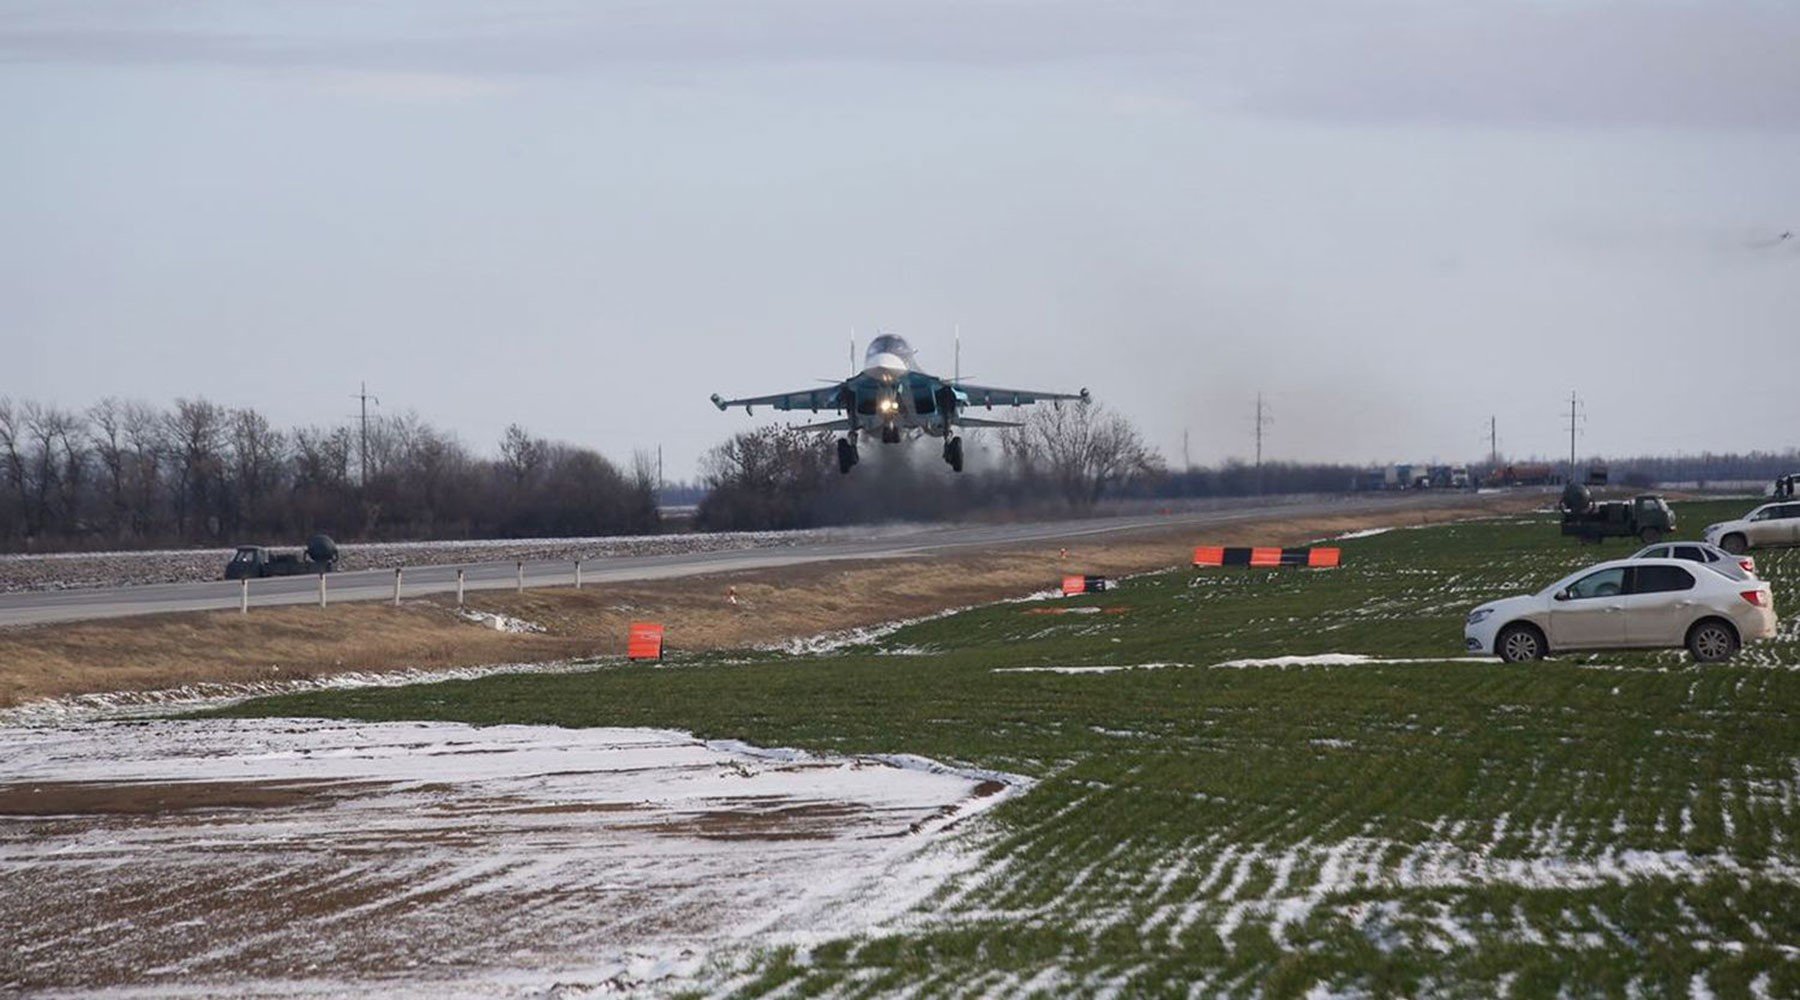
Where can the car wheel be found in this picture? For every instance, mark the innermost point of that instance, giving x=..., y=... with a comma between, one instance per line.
x=1650, y=536
x=1711, y=641
x=1520, y=644
x=1737, y=545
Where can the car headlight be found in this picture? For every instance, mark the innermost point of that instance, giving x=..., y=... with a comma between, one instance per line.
x=1480, y=615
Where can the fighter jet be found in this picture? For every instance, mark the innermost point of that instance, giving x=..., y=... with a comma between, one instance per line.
x=890, y=396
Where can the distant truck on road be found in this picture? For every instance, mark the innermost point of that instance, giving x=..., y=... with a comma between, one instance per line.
x=1646, y=517
x=256, y=561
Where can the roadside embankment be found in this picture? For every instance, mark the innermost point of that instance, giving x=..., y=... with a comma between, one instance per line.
x=771, y=606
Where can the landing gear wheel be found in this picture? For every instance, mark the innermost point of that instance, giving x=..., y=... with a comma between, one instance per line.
x=890, y=434
x=953, y=453
x=1734, y=544
x=1712, y=641
x=1650, y=536
x=1520, y=644
x=847, y=456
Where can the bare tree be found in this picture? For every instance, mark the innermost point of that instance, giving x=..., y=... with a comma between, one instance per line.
x=1083, y=450
x=195, y=431
x=521, y=455
x=258, y=454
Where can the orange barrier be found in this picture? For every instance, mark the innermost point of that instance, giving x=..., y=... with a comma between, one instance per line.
x=646, y=642
x=1072, y=585
x=1267, y=558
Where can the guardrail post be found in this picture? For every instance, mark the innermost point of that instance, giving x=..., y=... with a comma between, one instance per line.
x=520, y=565
x=397, y=571
x=321, y=590
x=244, y=595
x=459, y=586
x=578, y=573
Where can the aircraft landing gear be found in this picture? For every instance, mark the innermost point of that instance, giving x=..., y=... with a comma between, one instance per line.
x=890, y=434
x=847, y=456
x=953, y=453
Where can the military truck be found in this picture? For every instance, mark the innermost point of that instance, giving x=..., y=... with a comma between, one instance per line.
x=1646, y=517
x=256, y=561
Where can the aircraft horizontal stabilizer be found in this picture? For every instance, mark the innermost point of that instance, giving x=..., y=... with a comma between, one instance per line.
x=826, y=425
x=973, y=422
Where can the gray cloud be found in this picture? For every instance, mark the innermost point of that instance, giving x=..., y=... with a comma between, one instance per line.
x=1729, y=64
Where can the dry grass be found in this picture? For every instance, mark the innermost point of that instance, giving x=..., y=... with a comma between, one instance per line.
x=167, y=651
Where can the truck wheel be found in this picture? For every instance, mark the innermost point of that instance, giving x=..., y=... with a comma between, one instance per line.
x=1650, y=536
x=1737, y=545
x=1520, y=644
x=1711, y=641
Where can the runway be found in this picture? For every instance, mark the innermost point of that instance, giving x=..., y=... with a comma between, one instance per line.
x=43, y=607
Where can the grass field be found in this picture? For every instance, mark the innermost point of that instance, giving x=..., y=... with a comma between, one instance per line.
x=1615, y=824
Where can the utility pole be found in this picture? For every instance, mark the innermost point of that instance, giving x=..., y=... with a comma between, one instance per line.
x=1575, y=419
x=659, y=474
x=1493, y=442
x=1262, y=420
x=363, y=451
x=1187, y=464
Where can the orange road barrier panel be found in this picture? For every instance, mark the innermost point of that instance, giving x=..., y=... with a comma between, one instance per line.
x=1267, y=557
x=1072, y=585
x=646, y=642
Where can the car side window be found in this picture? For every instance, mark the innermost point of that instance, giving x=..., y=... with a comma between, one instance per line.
x=1660, y=579
x=1692, y=553
x=1656, y=552
x=1788, y=511
x=1606, y=583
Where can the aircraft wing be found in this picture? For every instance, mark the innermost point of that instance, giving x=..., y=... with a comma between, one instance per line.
x=987, y=395
x=825, y=397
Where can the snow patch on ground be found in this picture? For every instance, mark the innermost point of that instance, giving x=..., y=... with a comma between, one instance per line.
x=499, y=622
x=197, y=697
x=320, y=857
x=1345, y=660
x=1087, y=670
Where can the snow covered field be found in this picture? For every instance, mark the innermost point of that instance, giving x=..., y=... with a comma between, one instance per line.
x=299, y=857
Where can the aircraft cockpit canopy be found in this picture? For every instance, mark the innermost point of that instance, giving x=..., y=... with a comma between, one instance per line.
x=887, y=343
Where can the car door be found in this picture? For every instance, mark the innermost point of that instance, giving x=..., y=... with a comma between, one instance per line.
x=1765, y=527
x=1659, y=600
x=1788, y=518
x=1590, y=613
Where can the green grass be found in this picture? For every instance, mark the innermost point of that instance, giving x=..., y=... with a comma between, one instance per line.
x=1597, y=825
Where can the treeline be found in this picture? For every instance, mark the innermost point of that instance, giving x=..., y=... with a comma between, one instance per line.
x=1706, y=467
x=130, y=474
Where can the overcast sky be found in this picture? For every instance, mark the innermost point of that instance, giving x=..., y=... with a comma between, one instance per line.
x=1395, y=219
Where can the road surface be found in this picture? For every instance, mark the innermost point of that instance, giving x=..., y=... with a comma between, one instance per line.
x=40, y=607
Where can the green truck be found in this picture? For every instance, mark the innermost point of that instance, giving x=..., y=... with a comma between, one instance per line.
x=1646, y=517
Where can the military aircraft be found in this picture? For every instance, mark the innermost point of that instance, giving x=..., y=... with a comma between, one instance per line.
x=892, y=397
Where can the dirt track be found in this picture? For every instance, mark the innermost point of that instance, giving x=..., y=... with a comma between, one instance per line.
x=772, y=606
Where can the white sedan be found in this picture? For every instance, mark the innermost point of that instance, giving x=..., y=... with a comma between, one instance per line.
x=1737, y=567
x=1770, y=524
x=1627, y=604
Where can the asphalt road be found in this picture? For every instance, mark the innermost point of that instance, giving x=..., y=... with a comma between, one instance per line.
x=39, y=607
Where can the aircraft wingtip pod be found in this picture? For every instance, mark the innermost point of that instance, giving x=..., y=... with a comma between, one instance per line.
x=1084, y=395
x=718, y=401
